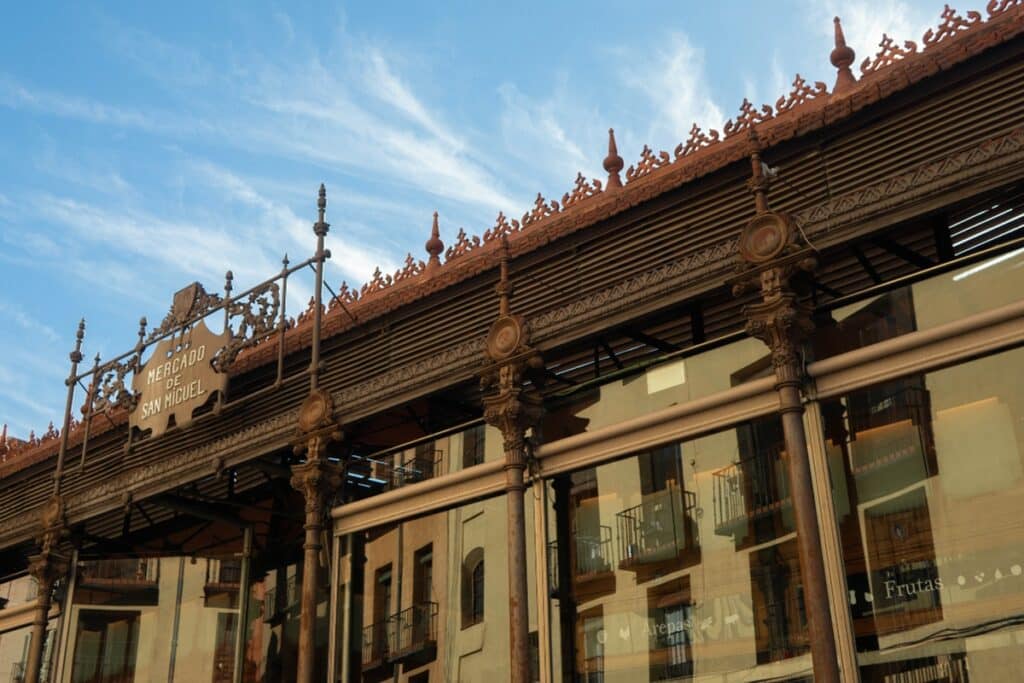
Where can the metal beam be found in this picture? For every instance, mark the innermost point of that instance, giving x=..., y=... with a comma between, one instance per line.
x=194, y=508
x=908, y=255
x=866, y=264
x=611, y=353
x=653, y=342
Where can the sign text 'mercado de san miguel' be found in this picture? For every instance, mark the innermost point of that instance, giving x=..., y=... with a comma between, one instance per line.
x=177, y=379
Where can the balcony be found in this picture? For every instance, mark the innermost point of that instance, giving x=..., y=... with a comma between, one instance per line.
x=658, y=530
x=418, y=468
x=750, y=489
x=121, y=575
x=409, y=637
x=223, y=582
x=376, y=650
x=413, y=634
x=591, y=562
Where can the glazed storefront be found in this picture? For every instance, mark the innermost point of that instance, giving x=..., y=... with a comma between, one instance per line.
x=661, y=534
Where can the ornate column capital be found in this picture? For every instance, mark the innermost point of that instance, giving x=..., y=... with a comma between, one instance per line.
x=318, y=428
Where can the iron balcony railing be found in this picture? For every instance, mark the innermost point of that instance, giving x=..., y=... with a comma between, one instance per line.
x=593, y=555
x=419, y=468
x=657, y=529
x=122, y=572
x=375, y=645
x=401, y=636
x=413, y=630
x=750, y=488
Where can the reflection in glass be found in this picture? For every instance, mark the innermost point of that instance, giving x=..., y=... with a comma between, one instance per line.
x=427, y=599
x=928, y=484
x=154, y=618
x=678, y=563
x=940, y=299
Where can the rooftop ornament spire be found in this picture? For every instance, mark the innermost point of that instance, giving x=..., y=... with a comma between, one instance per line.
x=842, y=57
x=434, y=246
x=613, y=163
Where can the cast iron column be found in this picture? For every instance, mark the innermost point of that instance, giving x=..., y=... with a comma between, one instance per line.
x=46, y=568
x=315, y=479
x=770, y=257
x=49, y=564
x=513, y=408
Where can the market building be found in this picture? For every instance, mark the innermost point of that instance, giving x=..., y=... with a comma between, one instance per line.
x=749, y=410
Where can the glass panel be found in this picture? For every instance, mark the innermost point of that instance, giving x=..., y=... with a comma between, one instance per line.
x=928, y=483
x=154, y=618
x=455, y=628
x=944, y=298
x=375, y=473
x=679, y=563
x=660, y=386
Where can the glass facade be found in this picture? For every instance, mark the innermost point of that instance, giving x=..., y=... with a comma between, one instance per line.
x=155, y=618
x=928, y=484
x=678, y=563
x=944, y=298
x=662, y=385
x=428, y=599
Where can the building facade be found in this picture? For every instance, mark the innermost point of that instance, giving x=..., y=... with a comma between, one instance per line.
x=745, y=411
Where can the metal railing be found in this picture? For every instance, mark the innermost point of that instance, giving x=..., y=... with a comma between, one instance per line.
x=593, y=555
x=120, y=571
x=375, y=644
x=413, y=629
x=416, y=469
x=658, y=528
x=750, y=487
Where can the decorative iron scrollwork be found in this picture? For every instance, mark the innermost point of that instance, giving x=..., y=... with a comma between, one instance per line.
x=189, y=303
x=257, y=316
x=111, y=387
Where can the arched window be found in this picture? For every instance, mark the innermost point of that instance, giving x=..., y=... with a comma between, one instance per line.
x=473, y=588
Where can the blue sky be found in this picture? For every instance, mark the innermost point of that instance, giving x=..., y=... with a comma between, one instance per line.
x=144, y=148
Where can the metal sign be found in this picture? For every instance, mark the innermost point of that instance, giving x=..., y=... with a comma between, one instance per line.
x=177, y=379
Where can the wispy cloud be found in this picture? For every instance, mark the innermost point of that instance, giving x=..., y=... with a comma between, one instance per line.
x=25, y=321
x=675, y=83
x=15, y=95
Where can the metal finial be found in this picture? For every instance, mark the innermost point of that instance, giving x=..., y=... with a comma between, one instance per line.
x=613, y=163
x=321, y=226
x=842, y=57
x=228, y=279
x=142, y=328
x=76, y=355
x=434, y=245
x=284, y=261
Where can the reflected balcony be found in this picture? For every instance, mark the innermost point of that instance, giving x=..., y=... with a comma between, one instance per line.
x=751, y=489
x=223, y=581
x=658, y=530
x=591, y=563
x=120, y=575
x=422, y=466
x=376, y=650
x=413, y=635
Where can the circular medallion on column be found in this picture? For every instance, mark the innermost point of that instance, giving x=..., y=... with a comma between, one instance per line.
x=316, y=411
x=505, y=338
x=765, y=237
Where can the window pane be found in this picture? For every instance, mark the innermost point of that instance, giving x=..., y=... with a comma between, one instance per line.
x=447, y=611
x=928, y=482
x=679, y=562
